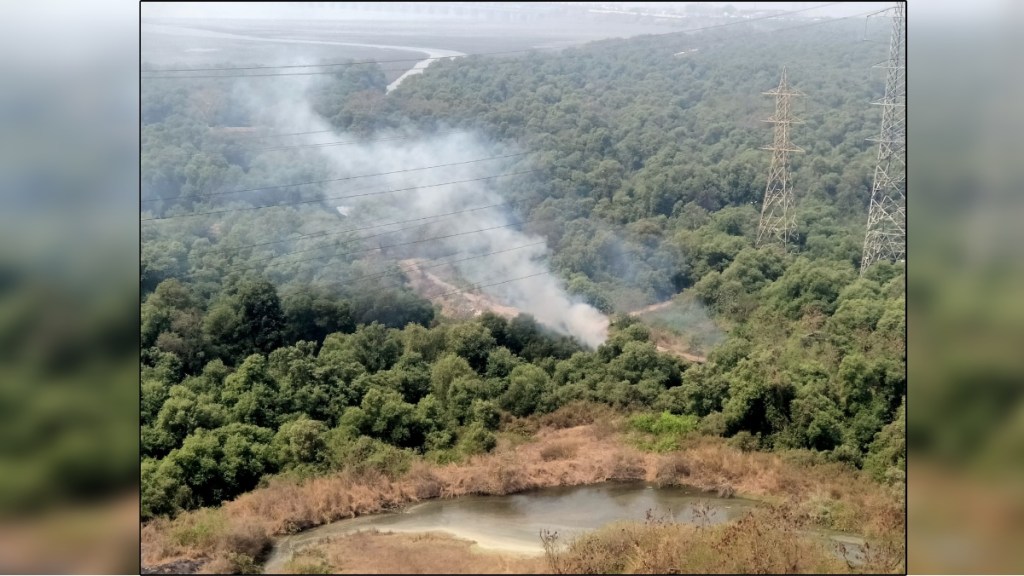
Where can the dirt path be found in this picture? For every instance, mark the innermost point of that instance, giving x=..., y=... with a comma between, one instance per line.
x=453, y=301
x=683, y=355
x=651, y=308
x=665, y=344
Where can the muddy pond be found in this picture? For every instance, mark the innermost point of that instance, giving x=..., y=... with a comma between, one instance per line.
x=513, y=523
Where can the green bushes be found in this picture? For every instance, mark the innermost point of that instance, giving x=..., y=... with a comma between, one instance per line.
x=660, y=432
x=364, y=454
x=209, y=467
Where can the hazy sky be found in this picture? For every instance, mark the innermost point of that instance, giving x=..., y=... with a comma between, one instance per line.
x=150, y=9
x=933, y=10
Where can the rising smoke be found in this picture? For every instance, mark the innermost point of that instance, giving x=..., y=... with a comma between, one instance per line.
x=533, y=289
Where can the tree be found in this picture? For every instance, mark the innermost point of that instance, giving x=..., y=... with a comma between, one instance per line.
x=251, y=393
x=184, y=412
x=311, y=315
x=527, y=383
x=807, y=287
x=214, y=465
x=445, y=371
x=473, y=342
x=819, y=420
x=376, y=347
x=501, y=362
x=887, y=456
x=262, y=319
x=160, y=307
x=758, y=402
x=388, y=417
x=301, y=441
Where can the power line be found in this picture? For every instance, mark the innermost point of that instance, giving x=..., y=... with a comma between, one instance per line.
x=289, y=66
x=254, y=136
x=340, y=142
x=383, y=247
x=329, y=232
x=313, y=144
x=829, y=21
x=403, y=229
x=460, y=291
x=747, y=20
x=420, y=241
x=244, y=75
x=335, y=64
x=333, y=179
x=389, y=191
x=336, y=143
x=283, y=134
x=445, y=263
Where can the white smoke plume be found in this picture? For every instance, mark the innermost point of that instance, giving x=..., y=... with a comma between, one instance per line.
x=521, y=277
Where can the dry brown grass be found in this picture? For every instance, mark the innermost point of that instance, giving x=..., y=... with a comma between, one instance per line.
x=826, y=495
x=764, y=542
x=560, y=450
x=577, y=413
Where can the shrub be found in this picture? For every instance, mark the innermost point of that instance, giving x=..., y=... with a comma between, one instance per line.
x=576, y=413
x=235, y=564
x=671, y=469
x=558, y=451
x=476, y=439
x=713, y=424
x=199, y=530
x=744, y=441
x=663, y=424
x=365, y=454
x=661, y=433
x=764, y=542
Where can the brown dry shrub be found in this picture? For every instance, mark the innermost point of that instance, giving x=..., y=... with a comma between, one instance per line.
x=423, y=482
x=672, y=469
x=245, y=538
x=199, y=530
x=627, y=466
x=725, y=491
x=577, y=413
x=232, y=563
x=762, y=542
x=156, y=543
x=559, y=450
x=605, y=427
x=520, y=426
x=509, y=476
x=603, y=552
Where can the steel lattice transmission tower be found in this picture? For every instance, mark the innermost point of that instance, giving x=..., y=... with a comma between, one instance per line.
x=777, y=224
x=886, y=236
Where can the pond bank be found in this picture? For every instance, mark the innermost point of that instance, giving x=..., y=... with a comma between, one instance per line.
x=828, y=495
x=513, y=523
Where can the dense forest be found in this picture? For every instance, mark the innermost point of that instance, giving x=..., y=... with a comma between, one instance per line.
x=641, y=171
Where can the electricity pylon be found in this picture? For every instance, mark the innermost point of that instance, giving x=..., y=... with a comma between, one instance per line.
x=777, y=224
x=886, y=236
